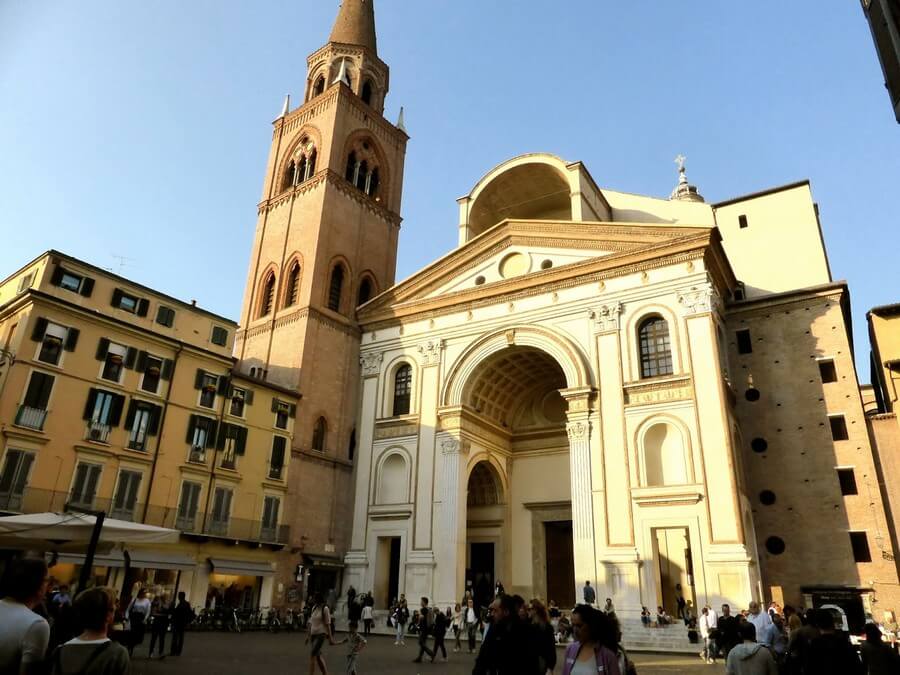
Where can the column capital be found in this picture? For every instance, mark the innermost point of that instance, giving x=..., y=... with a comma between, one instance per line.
x=606, y=317
x=453, y=446
x=699, y=300
x=579, y=400
x=430, y=352
x=371, y=363
x=578, y=430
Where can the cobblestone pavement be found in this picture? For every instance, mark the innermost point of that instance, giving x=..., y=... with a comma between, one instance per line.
x=265, y=654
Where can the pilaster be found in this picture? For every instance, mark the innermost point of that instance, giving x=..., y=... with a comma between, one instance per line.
x=430, y=354
x=370, y=363
x=450, y=520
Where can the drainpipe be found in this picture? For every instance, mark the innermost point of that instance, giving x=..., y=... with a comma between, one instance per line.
x=162, y=425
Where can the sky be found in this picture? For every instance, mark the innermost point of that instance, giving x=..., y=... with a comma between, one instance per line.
x=134, y=135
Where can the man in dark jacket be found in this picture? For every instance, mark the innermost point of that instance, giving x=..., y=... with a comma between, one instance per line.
x=508, y=647
x=424, y=626
x=831, y=653
x=727, y=635
x=182, y=616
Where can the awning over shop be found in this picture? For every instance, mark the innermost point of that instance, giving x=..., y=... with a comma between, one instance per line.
x=323, y=562
x=248, y=568
x=160, y=560
x=112, y=559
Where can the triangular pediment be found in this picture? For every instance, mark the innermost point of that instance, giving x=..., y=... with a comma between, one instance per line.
x=530, y=251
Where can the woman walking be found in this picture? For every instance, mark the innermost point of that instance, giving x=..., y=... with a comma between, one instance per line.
x=587, y=654
x=456, y=624
x=138, y=612
x=319, y=631
x=544, y=636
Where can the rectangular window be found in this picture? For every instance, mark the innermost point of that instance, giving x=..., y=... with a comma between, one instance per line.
x=238, y=401
x=847, y=478
x=116, y=358
x=84, y=488
x=129, y=303
x=269, y=529
x=52, y=344
x=71, y=282
x=102, y=411
x=76, y=283
x=283, y=411
x=742, y=222
x=165, y=316
x=232, y=443
x=142, y=422
x=860, y=543
x=838, y=428
x=25, y=283
x=740, y=293
x=744, y=342
x=827, y=371
x=152, y=368
x=208, y=384
x=33, y=411
x=187, y=507
x=126, y=495
x=276, y=464
x=221, y=511
x=14, y=478
x=200, y=436
x=219, y=336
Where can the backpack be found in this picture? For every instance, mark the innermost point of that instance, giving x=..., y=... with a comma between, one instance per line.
x=429, y=619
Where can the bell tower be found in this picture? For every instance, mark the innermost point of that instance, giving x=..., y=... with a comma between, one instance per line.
x=325, y=243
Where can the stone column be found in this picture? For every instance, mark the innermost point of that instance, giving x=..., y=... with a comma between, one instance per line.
x=579, y=432
x=450, y=521
x=430, y=360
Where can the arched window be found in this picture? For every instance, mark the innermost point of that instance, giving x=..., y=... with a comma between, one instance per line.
x=301, y=169
x=362, y=175
x=363, y=168
x=303, y=165
x=393, y=481
x=318, y=439
x=402, y=389
x=367, y=93
x=293, y=286
x=335, y=288
x=656, y=350
x=664, y=458
x=365, y=292
x=319, y=87
x=290, y=175
x=311, y=164
x=267, y=301
x=352, y=166
x=372, y=186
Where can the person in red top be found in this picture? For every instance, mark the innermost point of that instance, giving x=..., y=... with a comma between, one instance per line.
x=589, y=653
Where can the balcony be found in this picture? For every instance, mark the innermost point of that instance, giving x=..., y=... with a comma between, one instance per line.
x=197, y=455
x=276, y=472
x=237, y=530
x=97, y=432
x=31, y=418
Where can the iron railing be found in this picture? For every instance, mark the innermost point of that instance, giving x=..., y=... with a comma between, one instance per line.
x=33, y=418
x=97, y=431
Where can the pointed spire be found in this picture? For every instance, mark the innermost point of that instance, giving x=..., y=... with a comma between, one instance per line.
x=684, y=191
x=286, y=108
x=401, y=121
x=342, y=75
x=355, y=24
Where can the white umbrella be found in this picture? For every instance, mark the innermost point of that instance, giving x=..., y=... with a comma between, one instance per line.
x=78, y=527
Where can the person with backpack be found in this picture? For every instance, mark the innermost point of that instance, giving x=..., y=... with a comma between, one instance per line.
x=319, y=631
x=92, y=652
x=426, y=621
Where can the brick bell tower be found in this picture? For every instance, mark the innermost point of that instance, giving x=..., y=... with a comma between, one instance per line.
x=325, y=243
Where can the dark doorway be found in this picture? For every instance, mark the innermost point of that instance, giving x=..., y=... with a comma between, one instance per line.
x=387, y=571
x=394, y=576
x=481, y=573
x=560, y=563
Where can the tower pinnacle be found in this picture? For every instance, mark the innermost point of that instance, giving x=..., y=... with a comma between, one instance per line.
x=355, y=24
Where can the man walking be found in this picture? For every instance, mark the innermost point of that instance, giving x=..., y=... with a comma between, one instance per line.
x=182, y=616
x=709, y=653
x=425, y=622
x=761, y=622
x=727, y=631
x=590, y=596
x=24, y=635
x=750, y=657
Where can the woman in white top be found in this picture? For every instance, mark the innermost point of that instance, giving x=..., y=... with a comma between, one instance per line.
x=367, y=617
x=319, y=631
x=137, y=614
x=456, y=625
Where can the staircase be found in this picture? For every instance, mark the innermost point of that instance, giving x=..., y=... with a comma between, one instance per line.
x=672, y=639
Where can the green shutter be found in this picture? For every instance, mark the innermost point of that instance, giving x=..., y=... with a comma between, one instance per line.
x=87, y=287
x=116, y=298
x=153, y=424
x=89, y=406
x=192, y=424
x=129, y=417
x=115, y=410
x=166, y=371
x=198, y=378
x=141, y=365
x=40, y=329
x=56, y=279
x=241, y=443
x=71, y=339
x=143, y=306
x=102, y=349
x=130, y=357
x=248, y=397
x=211, y=426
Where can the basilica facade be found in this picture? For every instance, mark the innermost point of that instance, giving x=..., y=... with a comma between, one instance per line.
x=656, y=394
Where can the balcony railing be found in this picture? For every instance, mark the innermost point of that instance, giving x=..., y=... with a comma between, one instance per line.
x=197, y=455
x=34, y=500
x=32, y=418
x=97, y=431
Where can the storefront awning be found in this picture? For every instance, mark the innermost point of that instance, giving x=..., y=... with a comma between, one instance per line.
x=160, y=560
x=114, y=558
x=323, y=562
x=248, y=568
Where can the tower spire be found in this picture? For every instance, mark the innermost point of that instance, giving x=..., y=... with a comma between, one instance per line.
x=355, y=24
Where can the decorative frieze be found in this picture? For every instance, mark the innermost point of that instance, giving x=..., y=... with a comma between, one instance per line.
x=698, y=300
x=666, y=391
x=430, y=352
x=454, y=446
x=606, y=317
x=371, y=363
x=396, y=429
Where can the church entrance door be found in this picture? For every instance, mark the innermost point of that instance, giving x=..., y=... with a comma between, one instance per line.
x=481, y=573
x=560, y=563
x=673, y=553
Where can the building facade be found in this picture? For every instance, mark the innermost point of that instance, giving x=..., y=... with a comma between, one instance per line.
x=123, y=400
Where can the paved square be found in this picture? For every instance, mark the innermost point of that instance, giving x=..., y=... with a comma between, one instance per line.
x=265, y=654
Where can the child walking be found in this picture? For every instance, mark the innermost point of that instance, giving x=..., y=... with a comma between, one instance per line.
x=357, y=644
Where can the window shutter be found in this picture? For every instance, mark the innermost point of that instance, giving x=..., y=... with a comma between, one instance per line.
x=38, y=393
x=56, y=279
x=40, y=328
x=274, y=405
x=198, y=378
x=248, y=397
x=71, y=339
x=223, y=435
x=153, y=424
x=241, y=444
x=102, y=349
x=192, y=424
x=115, y=410
x=129, y=417
x=166, y=371
x=46, y=388
x=170, y=317
x=143, y=307
x=278, y=447
x=116, y=298
x=130, y=356
x=141, y=365
x=89, y=406
x=212, y=425
x=223, y=385
x=292, y=411
x=87, y=287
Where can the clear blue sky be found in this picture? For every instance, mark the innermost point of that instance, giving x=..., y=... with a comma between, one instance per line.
x=141, y=129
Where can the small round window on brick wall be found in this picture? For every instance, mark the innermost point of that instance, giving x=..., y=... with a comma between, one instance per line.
x=775, y=545
x=752, y=394
x=767, y=497
x=759, y=445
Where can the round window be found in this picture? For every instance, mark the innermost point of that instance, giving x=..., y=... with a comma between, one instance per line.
x=546, y=265
x=479, y=280
x=759, y=445
x=752, y=394
x=775, y=545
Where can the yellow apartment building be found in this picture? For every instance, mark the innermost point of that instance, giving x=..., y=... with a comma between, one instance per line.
x=121, y=399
